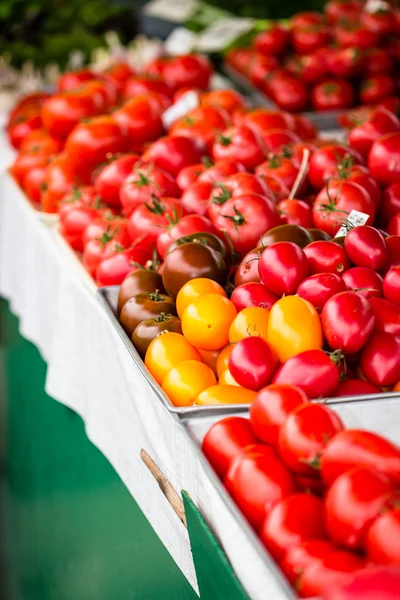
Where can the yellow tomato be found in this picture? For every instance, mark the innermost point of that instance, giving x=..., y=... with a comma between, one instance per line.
x=209, y=358
x=166, y=351
x=223, y=358
x=249, y=321
x=226, y=378
x=206, y=321
x=225, y=394
x=194, y=289
x=185, y=381
x=294, y=326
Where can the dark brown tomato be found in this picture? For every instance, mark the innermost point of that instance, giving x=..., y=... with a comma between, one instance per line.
x=146, y=305
x=149, y=329
x=287, y=233
x=138, y=282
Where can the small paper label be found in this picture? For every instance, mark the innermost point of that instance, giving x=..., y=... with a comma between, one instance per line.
x=222, y=33
x=355, y=219
x=180, y=41
x=180, y=108
x=178, y=10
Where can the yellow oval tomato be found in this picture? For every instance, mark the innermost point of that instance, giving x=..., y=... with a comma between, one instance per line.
x=166, y=351
x=185, y=381
x=249, y=321
x=294, y=326
x=225, y=394
x=226, y=378
x=223, y=359
x=201, y=286
x=206, y=321
x=209, y=358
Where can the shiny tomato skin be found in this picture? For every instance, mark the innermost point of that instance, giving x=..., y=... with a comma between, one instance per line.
x=252, y=363
x=348, y=321
x=326, y=257
x=62, y=112
x=150, y=218
x=393, y=227
x=380, y=359
x=355, y=387
x=306, y=40
x=390, y=202
x=140, y=117
x=293, y=520
x=353, y=501
x=313, y=371
x=145, y=182
x=74, y=79
x=190, y=70
x=282, y=267
x=239, y=143
x=357, y=448
x=174, y=153
x=140, y=84
x=318, y=288
x=332, y=95
x=225, y=440
x=258, y=484
x=295, y=212
x=247, y=271
x=111, y=177
x=221, y=169
x=251, y=450
x=327, y=158
x=34, y=183
x=252, y=294
x=387, y=315
x=391, y=285
x=189, y=175
x=196, y=198
x=187, y=225
x=288, y=92
x=365, y=281
x=384, y=159
x=382, y=542
x=393, y=242
x=24, y=163
x=113, y=270
x=378, y=123
x=304, y=434
x=332, y=569
x=376, y=88
x=366, y=247
x=372, y=583
x=272, y=41
x=59, y=180
x=300, y=555
x=40, y=141
x=270, y=409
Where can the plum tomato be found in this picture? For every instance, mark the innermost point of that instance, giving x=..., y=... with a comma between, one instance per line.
x=347, y=321
x=366, y=130
x=252, y=363
x=303, y=436
x=247, y=270
x=299, y=556
x=317, y=289
x=195, y=288
x=326, y=257
x=390, y=202
x=223, y=394
x=250, y=321
x=322, y=574
x=282, y=267
x=380, y=359
x=355, y=387
x=252, y=294
x=185, y=381
x=391, y=285
x=166, y=351
x=366, y=247
x=206, y=321
x=365, y=281
x=271, y=408
x=374, y=583
x=383, y=539
x=384, y=159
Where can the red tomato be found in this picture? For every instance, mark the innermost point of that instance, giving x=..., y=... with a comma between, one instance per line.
x=140, y=117
x=357, y=448
x=353, y=501
x=293, y=520
x=252, y=294
x=73, y=224
x=240, y=144
x=305, y=128
x=391, y=285
x=377, y=60
x=309, y=67
x=333, y=94
x=245, y=219
x=272, y=41
x=252, y=363
x=390, y=202
x=263, y=120
x=355, y=387
x=191, y=70
x=353, y=33
x=387, y=316
x=225, y=440
x=285, y=169
x=74, y=79
x=196, y=198
x=380, y=359
x=22, y=126
x=339, y=10
x=151, y=217
x=378, y=21
x=345, y=62
x=202, y=123
x=393, y=242
x=258, y=484
x=318, y=288
x=365, y=281
x=24, y=163
x=185, y=226
x=220, y=170
x=145, y=182
x=141, y=84
x=241, y=184
x=303, y=435
x=373, y=126
x=252, y=450
x=34, y=183
x=299, y=556
x=228, y=99
x=313, y=371
x=376, y=88
x=347, y=171
x=40, y=141
x=174, y=153
x=306, y=40
x=282, y=267
x=111, y=177
x=270, y=409
x=335, y=202
x=326, y=257
x=288, y=92
x=114, y=269
x=334, y=568
x=189, y=175
x=97, y=250
x=374, y=583
x=90, y=142
x=247, y=270
x=325, y=159
x=384, y=159
x=348, y=321
x=59, y=180
x=118, y=73
x=62, y=112
x=307, y=18
x=393, y=227
x=383, y=539
x=366, y=247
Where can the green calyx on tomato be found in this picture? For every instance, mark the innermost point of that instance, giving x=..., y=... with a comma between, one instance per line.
x=223, y=197
x=238, y=218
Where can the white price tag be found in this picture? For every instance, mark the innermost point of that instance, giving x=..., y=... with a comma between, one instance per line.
x=178, y=10
x=180, y=41
x=180, y=108
x=222, y=33
x=355, y=218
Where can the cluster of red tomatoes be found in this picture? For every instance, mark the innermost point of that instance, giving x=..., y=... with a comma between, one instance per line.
x=323, y=499
x=348, y=55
